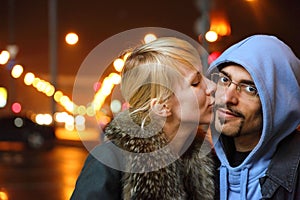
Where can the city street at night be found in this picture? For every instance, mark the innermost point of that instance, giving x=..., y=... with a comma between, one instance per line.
x=51, y=174
x=62, y=83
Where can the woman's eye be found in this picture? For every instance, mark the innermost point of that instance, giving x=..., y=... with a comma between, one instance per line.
x=195, y=84
x=197, y=80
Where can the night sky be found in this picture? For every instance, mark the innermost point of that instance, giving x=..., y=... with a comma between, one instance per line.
x=25, y=23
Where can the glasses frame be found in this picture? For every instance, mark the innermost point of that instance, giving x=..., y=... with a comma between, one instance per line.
x=240, y=87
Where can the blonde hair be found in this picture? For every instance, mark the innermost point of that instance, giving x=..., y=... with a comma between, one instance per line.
x=151, y=70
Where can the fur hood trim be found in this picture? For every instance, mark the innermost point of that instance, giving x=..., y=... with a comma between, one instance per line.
x=153, y=170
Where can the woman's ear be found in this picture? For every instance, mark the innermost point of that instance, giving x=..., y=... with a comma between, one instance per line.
x=161, y=109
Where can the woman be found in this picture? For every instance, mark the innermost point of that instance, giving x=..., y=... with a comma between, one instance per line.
x=153, y=150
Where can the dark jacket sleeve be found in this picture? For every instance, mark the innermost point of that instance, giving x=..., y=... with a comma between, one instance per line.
x=282, y=178
x=98, y=181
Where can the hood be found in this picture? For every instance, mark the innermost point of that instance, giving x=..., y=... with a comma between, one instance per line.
x=275, y=71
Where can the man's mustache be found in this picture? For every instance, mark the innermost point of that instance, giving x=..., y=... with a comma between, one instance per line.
x=230, y=108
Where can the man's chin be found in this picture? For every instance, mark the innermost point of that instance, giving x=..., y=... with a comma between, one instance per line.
x=229, y=128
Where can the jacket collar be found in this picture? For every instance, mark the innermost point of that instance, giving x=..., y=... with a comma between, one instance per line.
x=283, y=168
x=190, y=176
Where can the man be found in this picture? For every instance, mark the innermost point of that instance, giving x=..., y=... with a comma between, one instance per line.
x=257, y=111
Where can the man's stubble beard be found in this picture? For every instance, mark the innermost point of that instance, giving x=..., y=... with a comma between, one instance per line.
x=222, y=128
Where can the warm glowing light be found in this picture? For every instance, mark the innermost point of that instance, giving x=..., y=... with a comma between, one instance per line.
x=126, y=56
x=69, y=119
x=105, y=90
x=85, y=135
x=3, y=195
x=36, y=82
x=16, y=107
x=211, y=36
x=69, y=127
x=64, y=99
x=49, y=91
x=118, y=64
x=58, y=95
x=4, y=57
x=115, y=78
x=71, y=38
x=40, y=85
x=43, y=119
x=29, y=78
x=17, y=71
x=3, y=97
x=60, y=116
x=69, y=106
x=149, y=38
x=219, y=23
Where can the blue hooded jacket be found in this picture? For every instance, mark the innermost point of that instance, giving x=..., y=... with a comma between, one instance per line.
x=275, y=71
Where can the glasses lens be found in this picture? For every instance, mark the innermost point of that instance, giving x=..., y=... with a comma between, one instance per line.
x=248, y=90
x=216, y=78
x=245, y=90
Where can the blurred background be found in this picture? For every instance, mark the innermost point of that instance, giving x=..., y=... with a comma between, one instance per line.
x=42, y=46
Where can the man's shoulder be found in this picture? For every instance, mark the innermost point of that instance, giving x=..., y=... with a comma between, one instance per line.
x=283, y=169
x=291, y=142
x=288, y=152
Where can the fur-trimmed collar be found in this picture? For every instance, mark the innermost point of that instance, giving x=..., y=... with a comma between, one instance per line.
x=153, y=171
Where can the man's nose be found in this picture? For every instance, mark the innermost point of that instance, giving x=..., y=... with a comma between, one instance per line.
x=231, y=93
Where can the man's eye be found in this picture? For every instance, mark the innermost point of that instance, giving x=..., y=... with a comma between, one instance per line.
x=250, y=89
x=224, y=79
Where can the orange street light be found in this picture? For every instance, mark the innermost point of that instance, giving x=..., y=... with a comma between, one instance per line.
x=71, y=38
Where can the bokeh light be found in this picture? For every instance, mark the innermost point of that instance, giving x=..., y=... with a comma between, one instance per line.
x=211, y=36
x=71, y=38
x=4, y=57
x=3, y=97
x=17, y=71
x=149, y=38
x=118, y=64
x=16, y=107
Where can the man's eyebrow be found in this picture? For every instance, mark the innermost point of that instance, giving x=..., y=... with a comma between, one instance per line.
x=225, y=73
x=245, y=81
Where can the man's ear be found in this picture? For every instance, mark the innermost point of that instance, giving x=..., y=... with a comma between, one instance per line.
x=161, y=109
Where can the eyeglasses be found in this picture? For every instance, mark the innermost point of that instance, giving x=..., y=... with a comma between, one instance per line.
x=245, y=90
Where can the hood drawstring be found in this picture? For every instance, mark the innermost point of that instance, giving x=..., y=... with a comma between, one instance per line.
x=223, y=183
x=243, y=183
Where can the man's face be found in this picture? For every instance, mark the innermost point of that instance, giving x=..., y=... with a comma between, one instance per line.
x=237, y=114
